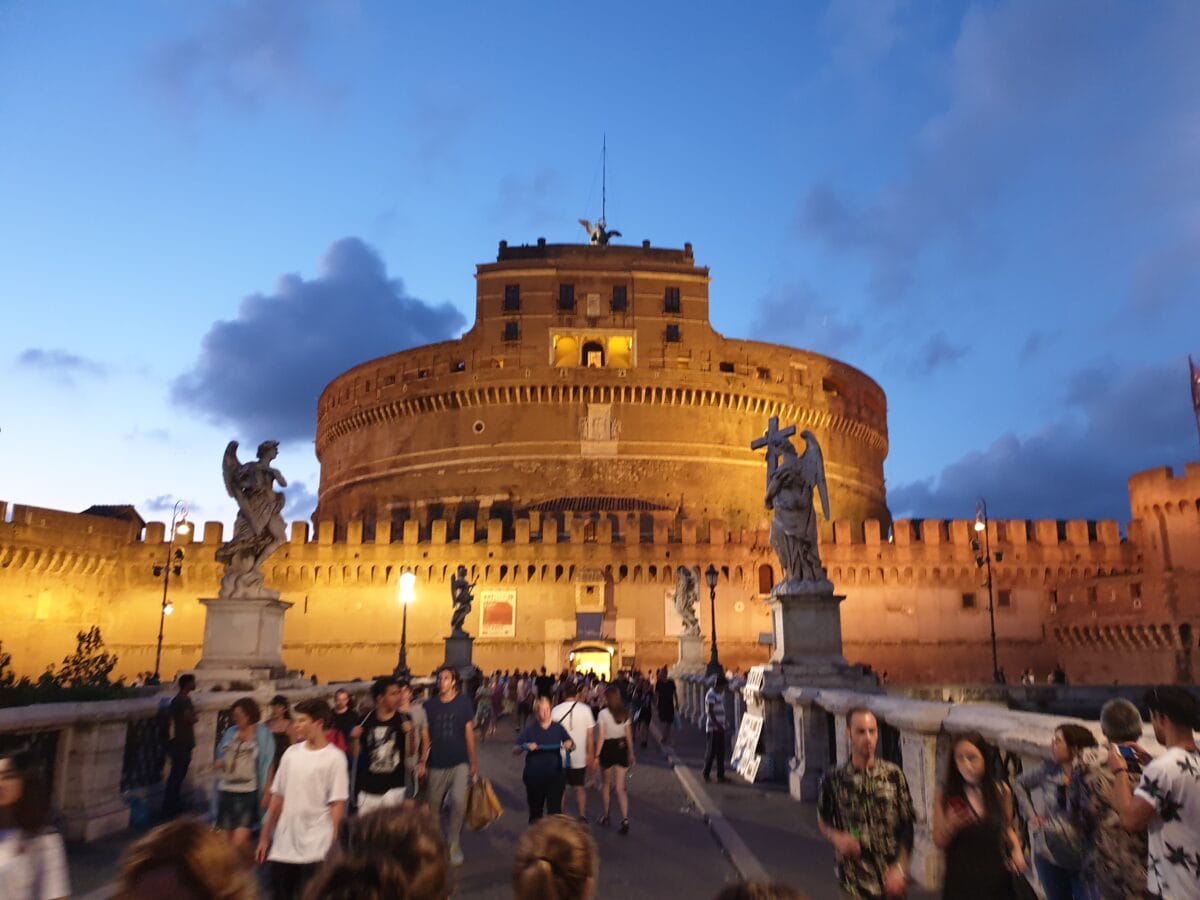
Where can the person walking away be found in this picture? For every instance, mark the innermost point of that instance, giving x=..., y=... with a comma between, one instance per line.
x=543, y=741
x=865, y=810
x=485, y=722
x=279, y=723
x=667, y=697
x=1166, y=803
x=643, y=706
x=380, y=744
x=1058, y=852
x=525, y=692
x=419, y=744
x=1114, y=861
x=451, y=761
x=973, y=822
x=714, y=729
x=308, y=803
x=576, y=716
x=33, y=862
x=616, y=753
x=180, y=746
x=544, y=684
x=243, y=760
x=556, y=860
x=345, y=717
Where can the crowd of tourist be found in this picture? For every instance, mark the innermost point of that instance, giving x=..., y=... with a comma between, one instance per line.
x=337, y=801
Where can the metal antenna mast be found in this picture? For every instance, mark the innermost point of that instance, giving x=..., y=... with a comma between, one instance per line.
x=603, y=180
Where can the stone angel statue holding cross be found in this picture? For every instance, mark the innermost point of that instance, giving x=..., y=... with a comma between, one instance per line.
x=791, y=482
x=686, y=595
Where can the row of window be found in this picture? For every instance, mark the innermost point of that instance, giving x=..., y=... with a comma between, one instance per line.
x=1003, y=600
x=512, y=332
x=619, y=302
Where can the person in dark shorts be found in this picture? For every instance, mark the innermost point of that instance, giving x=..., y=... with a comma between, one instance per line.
x=616, y=753
x=243, y=760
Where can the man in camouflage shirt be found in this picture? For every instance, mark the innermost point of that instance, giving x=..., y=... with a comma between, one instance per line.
x=865, y=810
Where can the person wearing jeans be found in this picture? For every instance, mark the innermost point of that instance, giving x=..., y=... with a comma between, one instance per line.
x=449, y=761
x=714, y=729
x=179, y=748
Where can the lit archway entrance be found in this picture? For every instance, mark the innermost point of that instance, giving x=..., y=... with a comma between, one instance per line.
x=594, y=658
x=593, y=355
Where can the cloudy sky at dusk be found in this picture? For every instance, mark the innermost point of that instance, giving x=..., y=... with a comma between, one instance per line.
x=207, y=210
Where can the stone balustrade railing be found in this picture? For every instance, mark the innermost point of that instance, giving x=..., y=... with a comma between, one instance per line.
x=810, y=737
x=103, y=757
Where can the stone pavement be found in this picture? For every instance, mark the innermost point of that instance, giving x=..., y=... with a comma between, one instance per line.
x=669, y=851
x=771, y=832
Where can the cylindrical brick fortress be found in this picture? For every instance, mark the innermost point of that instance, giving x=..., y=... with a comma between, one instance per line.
x=591, y=379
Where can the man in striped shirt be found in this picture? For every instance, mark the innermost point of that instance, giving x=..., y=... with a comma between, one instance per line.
x=714, y=729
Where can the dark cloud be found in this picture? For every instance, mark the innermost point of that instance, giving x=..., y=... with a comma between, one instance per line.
x=1077, y=467
x=1036, y=343
x=59, y=365
x=1026, y=82
x=934, y=354
x=530, y=200
x=244, y=54
x=299, y=502
x=164, y=505
x=263, y=371
x=795, y=315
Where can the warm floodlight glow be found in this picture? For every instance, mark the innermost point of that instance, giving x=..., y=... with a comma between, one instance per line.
x=408, y=582
x=979, y=526
x=168, y=608
x=184, y=527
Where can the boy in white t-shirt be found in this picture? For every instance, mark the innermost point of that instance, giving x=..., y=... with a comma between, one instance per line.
x=308, y=801
x=576, y=716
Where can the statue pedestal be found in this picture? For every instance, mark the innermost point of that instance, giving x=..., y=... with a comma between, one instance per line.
x=458, y=652
x=691, y=656
x=808, y=653
x=243, y=641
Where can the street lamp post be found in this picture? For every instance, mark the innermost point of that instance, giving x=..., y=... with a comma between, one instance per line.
x=984, y=560
x=407, y=582
x=173, y=563
x=714, y=664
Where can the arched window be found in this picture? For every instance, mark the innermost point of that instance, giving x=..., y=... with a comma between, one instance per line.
x=766, y=578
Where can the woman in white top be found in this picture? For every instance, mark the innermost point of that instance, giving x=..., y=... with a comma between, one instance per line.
x=33, y=864
x=616, y=753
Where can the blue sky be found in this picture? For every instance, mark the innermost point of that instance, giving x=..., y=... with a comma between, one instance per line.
x=208, y=209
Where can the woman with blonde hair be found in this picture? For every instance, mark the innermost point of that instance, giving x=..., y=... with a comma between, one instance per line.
x=556, y=860
x=184, y=860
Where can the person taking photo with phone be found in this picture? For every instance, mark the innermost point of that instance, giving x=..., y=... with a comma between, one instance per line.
x=1166, y=803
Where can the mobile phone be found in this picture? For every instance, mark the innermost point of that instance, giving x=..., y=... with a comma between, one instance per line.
x=1130, y=757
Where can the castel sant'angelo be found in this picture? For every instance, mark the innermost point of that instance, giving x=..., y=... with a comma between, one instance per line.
x=588, y=436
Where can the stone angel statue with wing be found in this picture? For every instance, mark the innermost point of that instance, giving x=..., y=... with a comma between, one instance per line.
x=686, y=595
x=259, y=530
x=790, y=490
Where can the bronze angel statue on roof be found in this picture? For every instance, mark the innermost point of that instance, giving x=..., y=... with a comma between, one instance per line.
x=599, y=234
x=259, y=530
x=790, y=490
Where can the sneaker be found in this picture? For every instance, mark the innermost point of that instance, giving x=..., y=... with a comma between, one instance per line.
x=456, y=855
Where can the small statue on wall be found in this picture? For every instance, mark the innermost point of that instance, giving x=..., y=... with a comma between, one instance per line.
x=461, y=597
x=686, y=596
x=259, y=530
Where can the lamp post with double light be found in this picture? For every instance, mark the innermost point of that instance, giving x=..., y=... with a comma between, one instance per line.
x=408, y=583
x=983, y=559
x=173, y=563
x=714, y=664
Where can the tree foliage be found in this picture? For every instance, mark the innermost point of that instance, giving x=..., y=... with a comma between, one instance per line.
x=90, y=665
